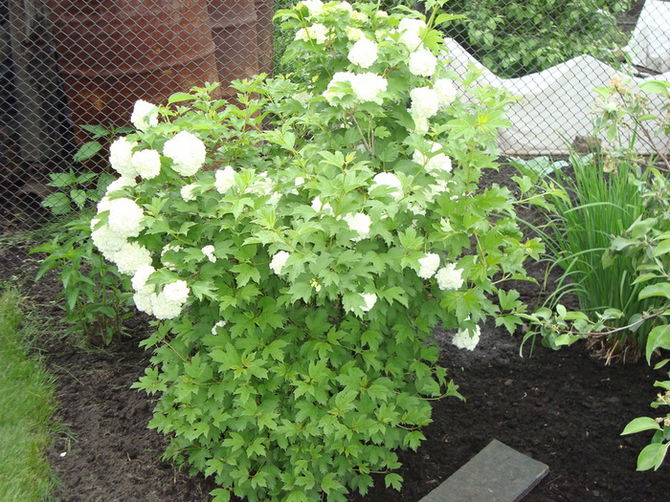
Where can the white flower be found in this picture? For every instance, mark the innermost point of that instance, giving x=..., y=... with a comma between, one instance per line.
x=317, y=32
x=119, y=184
x=106, y=240
x=439, y=162
x=344, y=6
x=130, y=257
x=163, y=308
x=299, y=181
x=369, y=299
x=139, y=280
x=436, y=189
x=359, y=223
x=186, y=192
x=120, y=155
x=368, y=86
x=313, y=6
x=187, y=152
x=446, y=92
x=125, y=217
x=144, y=302
x=363, y=53
x=278, y=261
x=319, y=207
x=382, y=13
x=388, y=180
x=217, y=325
x=208, y=251
x=416, y=209
x=428, y=265
x=147, y=163
x=354, y=34
x=359, y=16
x=176, y=291
x=424, y=102
x=330, y=93
x=422, y=63
x=449, y=277
x=224, y=179
x=463, y=339
x=144, y=115
x=410, y=32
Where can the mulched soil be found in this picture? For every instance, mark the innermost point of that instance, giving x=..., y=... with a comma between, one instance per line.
x=563, y=408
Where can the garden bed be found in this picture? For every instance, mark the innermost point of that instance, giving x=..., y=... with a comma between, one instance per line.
x=562, y=408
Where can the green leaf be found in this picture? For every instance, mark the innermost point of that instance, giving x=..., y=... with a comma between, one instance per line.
x=659, y=337
x=97, y=131
x=658, y=289
x=220, y=495
x=393, y=480
x=662, y=248
x=58, y=203
x=178, y=97
x=79, y=197
x=640, y=424
x=87, y=151
x=652, y=455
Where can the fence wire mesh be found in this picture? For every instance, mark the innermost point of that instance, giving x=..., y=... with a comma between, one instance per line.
x=65, y=64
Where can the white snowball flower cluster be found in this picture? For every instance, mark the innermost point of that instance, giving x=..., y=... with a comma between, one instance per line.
x=313, y=6
x=388, y=180
x=369, y=300
x=144, y=115
x=363, y=53
x=449, y=277
x=428, y=265
x=263, y=185
x=354, y=34
x=217, y=325
x=410, y=32
x=120, y=183
x=422, y=63
x=167, y=304
x=208, y=251
x=147, y=163
x=278, y=261
x=105, y=239
x=366, y=86
x=186, y=192
x=432, y=163
x=359, y=223
x=125, y=217
x=224, y=179
x=139, y=280
x=130, y=257
x=446, y=92
x=424, y=106
x=319, y=206
x=120, y=157
x=463, y=339
x=187, y=152
x=317, y=32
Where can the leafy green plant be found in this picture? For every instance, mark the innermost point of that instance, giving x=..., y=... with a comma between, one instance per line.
x=95, y=298
x=625, y=119
x=74, y=191
x=517, y=37
x=296, y=271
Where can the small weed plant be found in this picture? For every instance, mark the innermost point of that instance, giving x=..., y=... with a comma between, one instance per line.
x=296, y=270
x=634, y=248
x=95, y=297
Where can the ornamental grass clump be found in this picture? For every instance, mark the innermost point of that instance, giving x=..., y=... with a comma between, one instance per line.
x=296, y=271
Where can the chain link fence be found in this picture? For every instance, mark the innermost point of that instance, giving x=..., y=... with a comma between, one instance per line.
x=66, y=64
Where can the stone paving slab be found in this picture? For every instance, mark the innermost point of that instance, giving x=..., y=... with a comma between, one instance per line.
x=498, y=473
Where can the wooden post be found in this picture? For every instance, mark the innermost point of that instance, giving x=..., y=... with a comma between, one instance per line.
x=36, y=80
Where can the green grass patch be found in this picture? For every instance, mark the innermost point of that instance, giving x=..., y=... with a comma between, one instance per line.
x=27, y=403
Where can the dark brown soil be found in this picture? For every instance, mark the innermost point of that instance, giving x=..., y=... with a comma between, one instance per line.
x=562, y=408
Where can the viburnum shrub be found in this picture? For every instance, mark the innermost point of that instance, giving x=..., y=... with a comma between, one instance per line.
x=298, y=247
